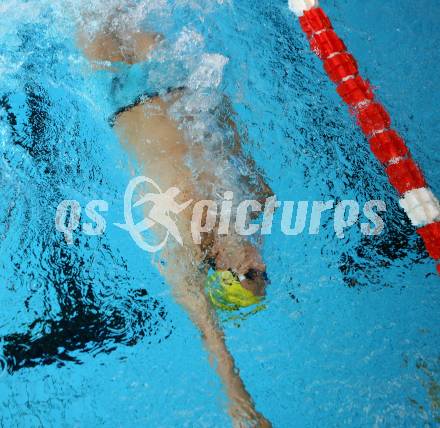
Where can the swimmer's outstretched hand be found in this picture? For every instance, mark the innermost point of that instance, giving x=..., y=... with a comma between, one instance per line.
x=262, y=422
x=250, y=419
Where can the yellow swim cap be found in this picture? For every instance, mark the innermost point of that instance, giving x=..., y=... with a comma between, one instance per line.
x=227, y=293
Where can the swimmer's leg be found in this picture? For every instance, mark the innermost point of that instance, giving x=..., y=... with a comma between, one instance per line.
x=111, y=45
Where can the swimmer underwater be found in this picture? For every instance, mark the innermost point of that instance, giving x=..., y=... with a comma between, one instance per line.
x=221, y=274
x=148, y=130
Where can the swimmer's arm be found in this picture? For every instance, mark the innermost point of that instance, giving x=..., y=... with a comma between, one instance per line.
x=192, y=297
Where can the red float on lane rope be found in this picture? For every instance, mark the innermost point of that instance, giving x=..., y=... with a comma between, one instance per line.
x=373, y=118
x=355, y=91
x=340, y=66
x=431, y=237
x=326, y=43
x=405, y=175
x=387, y=146
x=316, y=20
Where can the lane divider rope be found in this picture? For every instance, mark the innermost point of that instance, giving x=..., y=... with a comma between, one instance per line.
x=417, y=200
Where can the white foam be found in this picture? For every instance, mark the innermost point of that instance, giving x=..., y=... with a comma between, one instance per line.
x=189, y=41
x=209, y=74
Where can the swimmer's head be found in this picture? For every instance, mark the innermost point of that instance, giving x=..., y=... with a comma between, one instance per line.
x=255, y=281
x=244, y=260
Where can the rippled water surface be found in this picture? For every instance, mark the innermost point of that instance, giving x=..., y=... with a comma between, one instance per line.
x=90, y=334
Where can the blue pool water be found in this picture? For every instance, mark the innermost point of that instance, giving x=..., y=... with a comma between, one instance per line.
x=90, y=334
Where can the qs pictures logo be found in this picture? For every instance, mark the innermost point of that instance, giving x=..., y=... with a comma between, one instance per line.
x=151, y=214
